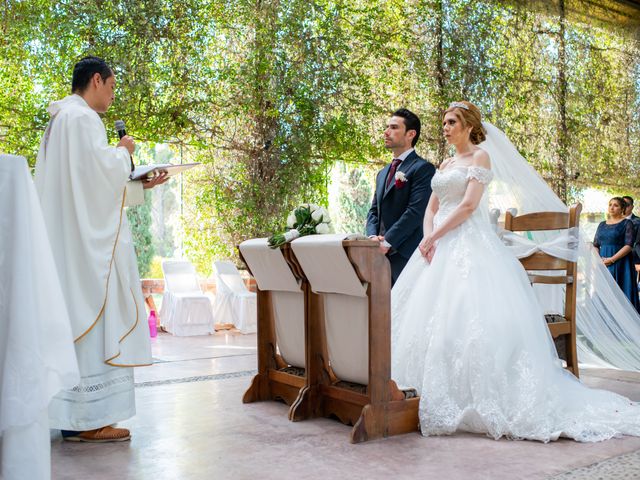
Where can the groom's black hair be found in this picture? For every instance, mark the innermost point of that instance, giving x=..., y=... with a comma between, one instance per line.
x=411, y=122
x=85, y=69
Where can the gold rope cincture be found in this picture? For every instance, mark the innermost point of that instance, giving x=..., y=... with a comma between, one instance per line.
x=113, y=252
x=125, y=336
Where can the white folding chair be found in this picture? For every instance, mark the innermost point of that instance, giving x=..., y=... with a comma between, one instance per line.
x=234, y=302
x=185, y=309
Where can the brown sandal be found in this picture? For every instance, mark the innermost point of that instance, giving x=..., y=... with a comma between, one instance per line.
x=101, y=435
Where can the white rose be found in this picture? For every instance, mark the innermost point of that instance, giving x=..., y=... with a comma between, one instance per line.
x=401, y=176
x=291, y=235
x=322, y=228
x=291, y=220
x=319, y=215
x=313, y=207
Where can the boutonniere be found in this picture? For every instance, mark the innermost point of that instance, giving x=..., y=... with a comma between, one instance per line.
x=401, y=179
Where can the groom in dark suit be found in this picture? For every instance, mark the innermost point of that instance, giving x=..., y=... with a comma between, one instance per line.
x=402, y=192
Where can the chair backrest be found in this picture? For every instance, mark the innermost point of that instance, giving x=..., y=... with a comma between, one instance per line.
x=545, y=221
x=180, y=276
x=228, y=279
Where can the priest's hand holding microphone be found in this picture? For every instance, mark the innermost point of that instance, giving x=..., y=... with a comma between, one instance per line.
x=127, y=142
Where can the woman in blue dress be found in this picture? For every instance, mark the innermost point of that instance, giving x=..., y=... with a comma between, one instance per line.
x=614, y=241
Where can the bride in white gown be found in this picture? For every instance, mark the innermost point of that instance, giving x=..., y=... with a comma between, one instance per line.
x=467, y=330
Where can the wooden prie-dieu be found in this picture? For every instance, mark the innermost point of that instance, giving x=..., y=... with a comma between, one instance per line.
x=347, y=342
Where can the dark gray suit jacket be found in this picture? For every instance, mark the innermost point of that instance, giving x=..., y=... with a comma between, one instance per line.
x=401, y=210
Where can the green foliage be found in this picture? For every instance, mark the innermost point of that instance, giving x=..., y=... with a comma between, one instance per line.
x=354, y=199
x=162, y=201
x=270, y=95
x=139, y=218
x=155, y=268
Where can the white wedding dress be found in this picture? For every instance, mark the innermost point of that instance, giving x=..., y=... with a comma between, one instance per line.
x=469, y=334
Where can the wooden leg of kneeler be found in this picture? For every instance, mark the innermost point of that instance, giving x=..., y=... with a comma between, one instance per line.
x=394, y=418
x=258, y=390
x=308, y=403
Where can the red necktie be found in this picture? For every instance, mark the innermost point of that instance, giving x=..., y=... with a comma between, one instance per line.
x=392, y=171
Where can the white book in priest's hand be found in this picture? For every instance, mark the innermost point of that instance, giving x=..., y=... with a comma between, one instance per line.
x=149, y=171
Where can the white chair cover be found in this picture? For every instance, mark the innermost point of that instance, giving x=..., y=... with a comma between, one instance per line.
x=37, y=356
x=185, y=309
x=272, y=273
x=234, y=303
x=346, y=306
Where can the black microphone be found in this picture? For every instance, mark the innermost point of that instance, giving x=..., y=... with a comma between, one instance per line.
x=119, y=124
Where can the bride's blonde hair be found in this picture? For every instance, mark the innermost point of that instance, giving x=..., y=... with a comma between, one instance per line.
x=469, y=115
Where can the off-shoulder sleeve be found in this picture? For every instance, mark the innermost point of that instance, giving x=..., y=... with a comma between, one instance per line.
x=481, y=174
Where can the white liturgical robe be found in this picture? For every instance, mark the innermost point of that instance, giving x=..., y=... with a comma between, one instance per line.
x=83, y=187
x=37, y=358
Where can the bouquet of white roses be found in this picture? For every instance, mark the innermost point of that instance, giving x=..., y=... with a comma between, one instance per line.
x=306, y=219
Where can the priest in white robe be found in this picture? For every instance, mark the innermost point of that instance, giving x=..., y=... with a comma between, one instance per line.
x=83, y=185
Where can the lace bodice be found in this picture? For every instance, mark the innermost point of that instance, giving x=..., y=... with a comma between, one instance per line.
x=450, y=185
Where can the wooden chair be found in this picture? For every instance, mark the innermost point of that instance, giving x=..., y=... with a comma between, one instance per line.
x=347, y=322
x=562, y=325
x=282, y=326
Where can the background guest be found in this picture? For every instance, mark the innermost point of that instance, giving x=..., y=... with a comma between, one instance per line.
x=614, y=240
x=628, y=211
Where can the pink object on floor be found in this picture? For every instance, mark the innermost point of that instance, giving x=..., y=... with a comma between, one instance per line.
x=153, y=329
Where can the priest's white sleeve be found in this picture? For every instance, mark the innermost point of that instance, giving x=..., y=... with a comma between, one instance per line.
x=134, y=194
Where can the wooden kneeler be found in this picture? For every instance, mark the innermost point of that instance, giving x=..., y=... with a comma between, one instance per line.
x=283, y=331
x=349, y=315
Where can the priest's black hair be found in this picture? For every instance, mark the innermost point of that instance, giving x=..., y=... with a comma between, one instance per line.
x=85, y=69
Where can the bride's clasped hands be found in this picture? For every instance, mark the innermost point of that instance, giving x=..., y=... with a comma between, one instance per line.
x=427, y=248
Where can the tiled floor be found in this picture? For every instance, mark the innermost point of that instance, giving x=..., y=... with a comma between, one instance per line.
x=620, y=467
x=192, y=425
